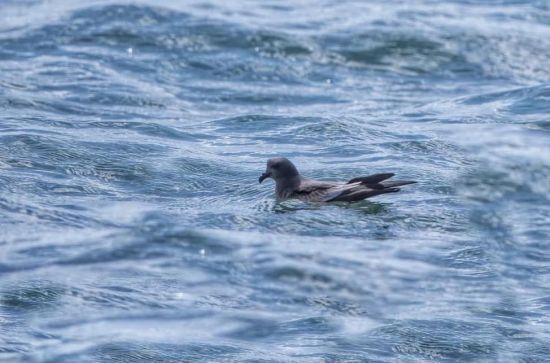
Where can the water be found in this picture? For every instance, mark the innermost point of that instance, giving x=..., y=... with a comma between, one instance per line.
x=133, y=228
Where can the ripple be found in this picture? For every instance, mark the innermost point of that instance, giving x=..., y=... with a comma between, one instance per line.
x=397, y=53
x=35, y=296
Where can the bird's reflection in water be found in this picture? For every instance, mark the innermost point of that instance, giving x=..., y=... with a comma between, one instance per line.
x=366, y=207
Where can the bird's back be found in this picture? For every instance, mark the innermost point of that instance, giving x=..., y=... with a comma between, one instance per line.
x=323, y=191
x=317, y=191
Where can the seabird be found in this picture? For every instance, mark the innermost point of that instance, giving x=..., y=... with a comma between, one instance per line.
x=289, y=184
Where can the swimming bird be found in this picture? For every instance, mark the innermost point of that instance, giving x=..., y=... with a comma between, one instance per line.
x=289, y=184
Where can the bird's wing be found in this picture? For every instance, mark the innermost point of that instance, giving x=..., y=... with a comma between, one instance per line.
x=371, y=179
x=315, y=191
x=321, y=191
x=357, y=191
x=346, y=192
x=379, y=181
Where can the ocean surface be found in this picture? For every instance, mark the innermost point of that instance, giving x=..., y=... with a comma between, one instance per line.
x=133, y=227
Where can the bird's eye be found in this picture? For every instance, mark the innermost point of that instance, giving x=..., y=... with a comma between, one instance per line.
x=276, y=166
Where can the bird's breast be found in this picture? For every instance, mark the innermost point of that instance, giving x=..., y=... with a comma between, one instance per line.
x=283, y=191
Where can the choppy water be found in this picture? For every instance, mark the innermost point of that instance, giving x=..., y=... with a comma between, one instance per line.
x=133, y=229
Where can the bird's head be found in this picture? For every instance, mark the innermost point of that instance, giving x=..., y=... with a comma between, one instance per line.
x=279, y=168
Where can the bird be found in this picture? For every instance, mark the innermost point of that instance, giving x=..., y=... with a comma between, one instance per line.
x=289, y=184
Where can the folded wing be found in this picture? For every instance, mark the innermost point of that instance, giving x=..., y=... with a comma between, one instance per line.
x=354, y=190
x=315, y=191
x=358, y=191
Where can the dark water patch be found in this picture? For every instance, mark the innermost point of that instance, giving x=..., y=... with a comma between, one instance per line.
x=419, y=339
x=516, y=183
x=34, y=296
x=469, y=258
x=57, y=157
x=257, y=123
x=517, y=102
x=43, y=213
x=267, y=330
x=388, y=52
x=124, y=351
x=123, y=300
x=146, y=128
x=163, y=352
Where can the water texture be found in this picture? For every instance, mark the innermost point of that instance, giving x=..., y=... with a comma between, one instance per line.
x=133, y=228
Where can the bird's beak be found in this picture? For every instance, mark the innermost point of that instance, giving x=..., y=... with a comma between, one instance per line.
x=264, y=176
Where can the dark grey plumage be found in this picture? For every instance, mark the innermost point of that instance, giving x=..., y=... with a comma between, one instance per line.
x=290, y=184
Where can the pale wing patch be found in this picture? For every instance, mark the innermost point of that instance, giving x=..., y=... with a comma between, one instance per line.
x=338, y=190
x=313, y=191
x=323, y=192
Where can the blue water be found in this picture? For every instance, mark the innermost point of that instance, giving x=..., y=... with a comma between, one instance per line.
x=133, y=227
